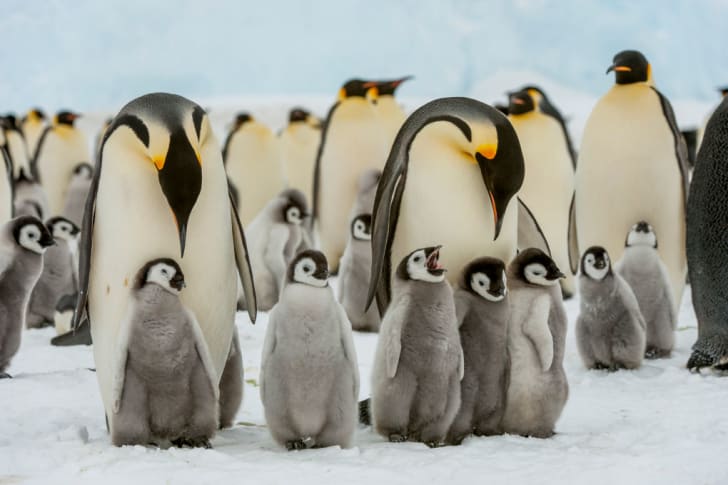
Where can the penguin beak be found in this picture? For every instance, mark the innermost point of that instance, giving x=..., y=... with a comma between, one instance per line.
x=178, y=282
x=432, y=262
x=321, y=273
x=46, y=240
x=617, y=68
x=396, y=83
x=484, y=155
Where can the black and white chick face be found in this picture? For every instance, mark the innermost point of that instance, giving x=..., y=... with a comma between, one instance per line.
x=595, y=263
x=309, y=268
x=537, y=268
x=164, y=272
x=31, y=234
x=422, y=265
x=361, y=227
x=294, y=207
x=486, y=277
x=83, y=170
x=62, y=228
x=641, y=234
x=293, y=215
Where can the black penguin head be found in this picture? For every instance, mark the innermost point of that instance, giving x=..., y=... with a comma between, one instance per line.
x=66, y=118
x=358, y=88
x=164, y=272
x=388, y=88
x=486, y=277
x=630, y=67
x=298, y=115
x=84, y=170
x=723, y=91
x=295, y=208
x=361, y=227
x=10, y=122
x=35, y=115
x=641, y=234
x=422, y=265
x=595, y=263
x=62, y=228
x=535, y=267
x=310, y=268
x=30, y=234
x=240, y=119
x=520, y=102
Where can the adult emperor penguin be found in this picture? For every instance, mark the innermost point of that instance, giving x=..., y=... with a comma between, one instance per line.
x=15, y=144
x=160, y=190
x=299, y=143
x=453, y=171
x=548, y=186
x=252, y=161
x=61, y=147
x=33, y=125
x=632, y=167
x=351, y=143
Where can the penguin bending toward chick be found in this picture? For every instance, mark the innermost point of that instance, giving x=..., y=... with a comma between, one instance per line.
x=309, y=374
x=646, y=274
x=610, y=330
x=482, y=310
x=537, y=389
x=419, y=360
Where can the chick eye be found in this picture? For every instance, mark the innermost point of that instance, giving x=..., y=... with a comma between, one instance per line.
x=481, y=283
x=307, y=269
x=417, y=259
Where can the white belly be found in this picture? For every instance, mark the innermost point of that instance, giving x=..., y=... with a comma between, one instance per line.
x=62, y=150
x=298, y=152
x=627, y=172
x=133, y=225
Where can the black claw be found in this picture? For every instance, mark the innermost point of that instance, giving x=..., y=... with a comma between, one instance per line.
x=199, y=442
x=699, y=360
x=295, y=445
x=397, y=438
x=365, y=413
x=434, y=444
x=5, y=375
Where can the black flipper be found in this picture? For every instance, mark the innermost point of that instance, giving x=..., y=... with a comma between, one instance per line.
x=38, y=148
x=530, y=234
x=681, y=151
x=9, y=167
x=573, y=240
x=317, y=168
x=242, y=261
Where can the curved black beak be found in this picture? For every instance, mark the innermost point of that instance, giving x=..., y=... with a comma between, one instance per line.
x=321, y=273
x=178, y=281
x=46, y=239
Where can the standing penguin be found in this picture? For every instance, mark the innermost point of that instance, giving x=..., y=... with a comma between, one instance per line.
x=23, y=241
x=646, y=274
x=309, y=375
x=165, y=384
x=354, y=275
x=33, y=126
x=16, y=146
x=633, y=166
x=610, y=330
x=418, y=364
x=61, y=147
x=707, y=240
x=548, y=187
x=159, y=190
x=452, y=173
x=253, y=163
x=58, y=277
x=77, y=192
x=299, y=143
x=537, y=389
x=275, y=236
x=483, y=311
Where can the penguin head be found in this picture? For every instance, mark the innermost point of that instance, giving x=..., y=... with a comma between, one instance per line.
x=240, y=119
x=66, y=118
x=387, y=88
x=361, y=227
x=35, y=115
x=300, y=115
x=641, y=234
x=422, y=265
x=62, y=228
x=359, y=89
x=630, y=67
x=520, y=102
x=164, y=272
x=723, y=91
x=310, y=268
x=295, y=208
x=537, y=268
x=486, y=277
x=83, y=170
x=595, y=263
x=30, y=234
x=10, y=122
x=168, y=133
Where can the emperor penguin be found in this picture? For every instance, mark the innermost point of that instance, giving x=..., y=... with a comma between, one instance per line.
x=418, y=363
x=644, y=271
x=164, y=380
x=159, y=190
x=610, y=329
x=483, y=310
x=16, y=146
x=60, y=148
x=299, y=142
x=77, y=192
x=354, y=275
x=58, y=277
x=548, y=186
x=537, y=388
x=309, y=372
x=352, y=142
x=33, y=125
x=723, y=91
x=450, y=178
x=7, y=185
x=23, y=241
x=252, y=161
x=389, y=110
x=707, y=238
x=633, y=166
x=275, y=236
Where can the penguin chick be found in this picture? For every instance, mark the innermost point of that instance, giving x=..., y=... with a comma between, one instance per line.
x=482, y=310
x=77, y=192
x=23, y=241
x=275, y=236
x=354, y=273
x=418, y=364
x=57, y=278
x=231, y=384
x=610, y=330
x=647, y=275
x=309, y=373
x=537, y=389
x=165, y=385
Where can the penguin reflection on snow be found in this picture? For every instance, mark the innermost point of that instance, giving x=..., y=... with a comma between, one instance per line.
x=309, y=372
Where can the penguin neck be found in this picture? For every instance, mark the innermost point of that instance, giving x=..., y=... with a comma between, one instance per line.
x=153, y=294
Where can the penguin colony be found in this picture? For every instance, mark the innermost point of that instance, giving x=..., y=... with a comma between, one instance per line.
x=456, y=233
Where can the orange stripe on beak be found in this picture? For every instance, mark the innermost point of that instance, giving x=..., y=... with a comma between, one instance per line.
x=492, y=205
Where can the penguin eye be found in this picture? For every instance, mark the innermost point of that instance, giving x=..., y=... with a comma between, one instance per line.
x=307, y=269
x=417, y=259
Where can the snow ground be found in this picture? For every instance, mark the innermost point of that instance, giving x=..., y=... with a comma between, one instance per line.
x=660, y=424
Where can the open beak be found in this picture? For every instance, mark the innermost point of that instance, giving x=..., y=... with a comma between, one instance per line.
x=433, y=261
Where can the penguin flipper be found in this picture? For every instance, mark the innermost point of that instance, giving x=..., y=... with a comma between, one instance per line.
x=242, y=259
x=204, y=353
x=572, y=239
x=681, y=150
x=530, y=234
x=9, y=168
